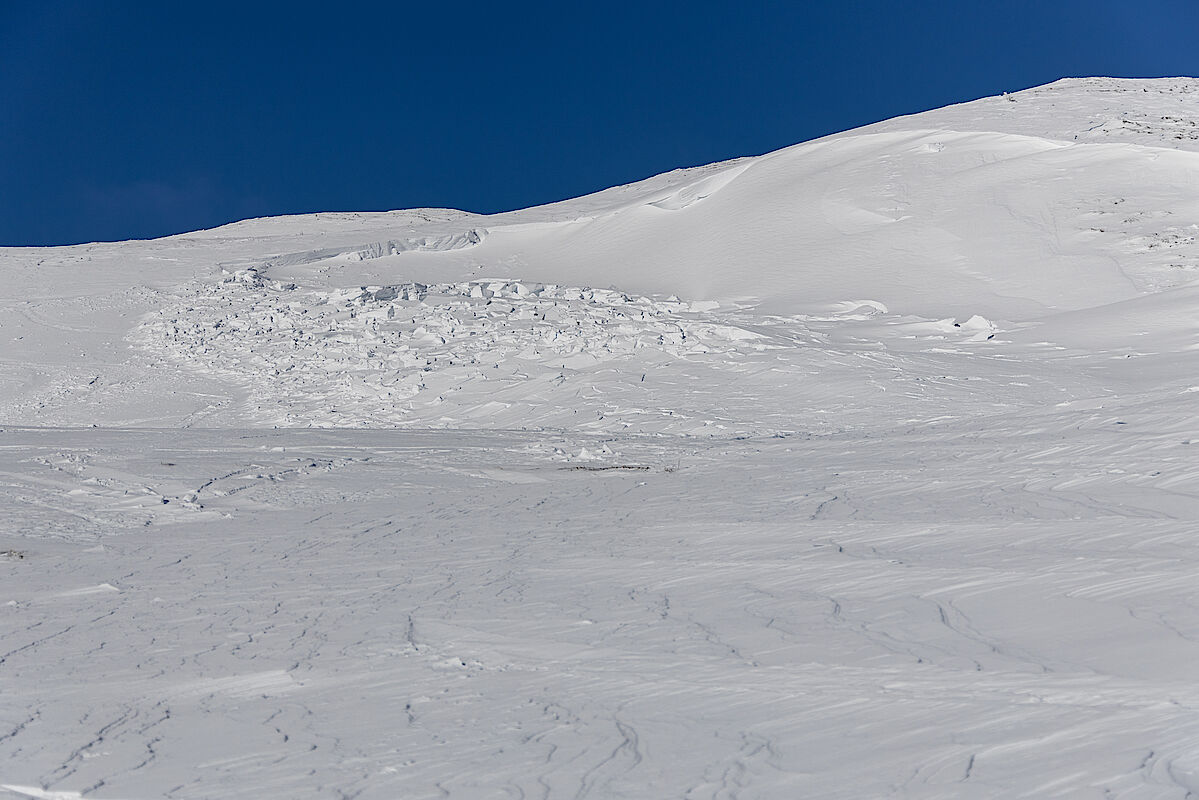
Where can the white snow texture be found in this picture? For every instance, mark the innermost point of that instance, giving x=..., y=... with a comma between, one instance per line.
x=865, y=468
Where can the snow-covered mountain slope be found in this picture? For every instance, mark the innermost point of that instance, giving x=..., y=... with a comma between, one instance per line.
x=865, y=468
x=1009, y=212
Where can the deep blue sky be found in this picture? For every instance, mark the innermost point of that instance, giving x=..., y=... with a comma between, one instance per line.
x=135, y=119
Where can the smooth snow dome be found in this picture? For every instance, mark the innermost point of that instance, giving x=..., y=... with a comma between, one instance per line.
x=864, y=468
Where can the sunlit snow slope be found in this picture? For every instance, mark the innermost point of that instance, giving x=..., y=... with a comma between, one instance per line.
x=864, y=468
x=1076, y=198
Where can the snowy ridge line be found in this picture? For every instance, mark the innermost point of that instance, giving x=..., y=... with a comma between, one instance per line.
x=1155, y=112
x=390, y=247
x=695, y=191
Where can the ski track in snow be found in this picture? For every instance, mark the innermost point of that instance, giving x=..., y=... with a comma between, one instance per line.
x=274, y=528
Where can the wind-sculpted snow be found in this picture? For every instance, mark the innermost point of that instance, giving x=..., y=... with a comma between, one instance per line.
x=866, y=468
x=694, y=192
x=959, y=609
x=366, y=252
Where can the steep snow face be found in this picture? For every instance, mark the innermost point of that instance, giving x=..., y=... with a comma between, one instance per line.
x=864, y=468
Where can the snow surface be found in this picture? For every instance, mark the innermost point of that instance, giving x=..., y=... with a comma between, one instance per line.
x=865, y=468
